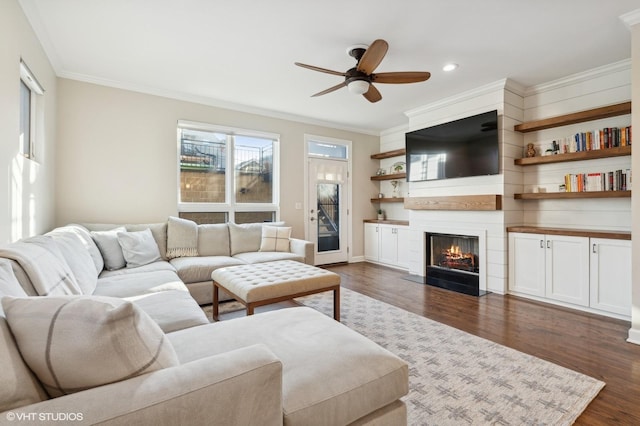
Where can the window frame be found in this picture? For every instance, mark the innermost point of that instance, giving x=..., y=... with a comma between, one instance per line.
x=230, y=206
x=35, y=92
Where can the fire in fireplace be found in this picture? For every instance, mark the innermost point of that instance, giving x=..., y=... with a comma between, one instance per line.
x=452, y=262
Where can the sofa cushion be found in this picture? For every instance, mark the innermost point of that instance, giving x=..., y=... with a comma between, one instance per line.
x=275, y=238
x=331, y=375
x=267, y=256
x=213, y=240
x=138, y=283
x=76, y=343
x=159, y=231
x=182, y=238
x=197, y=269
x=247, y=236
x=172, y=309
x=107, y=242
x=78, y=258
x=19, y=385
x=138, y=248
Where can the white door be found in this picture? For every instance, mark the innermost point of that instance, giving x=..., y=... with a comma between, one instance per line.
x=610, y=284
x=388, y=245
x=567, y=264
x=527, y=264
x=371, y=241
x=327, y=216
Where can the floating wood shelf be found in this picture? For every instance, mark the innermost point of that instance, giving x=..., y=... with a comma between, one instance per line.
x=388, y=154
x=577, y=117
x=388, y=200
x=575, y=156
x=394, y=176
x=388, y=222
x=591, y=233
x=455, y=202
x=572, y=195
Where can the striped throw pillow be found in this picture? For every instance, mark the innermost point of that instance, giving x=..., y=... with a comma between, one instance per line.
x=73, y=343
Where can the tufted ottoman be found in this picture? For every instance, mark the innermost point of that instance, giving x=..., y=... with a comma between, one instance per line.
x=261, y=284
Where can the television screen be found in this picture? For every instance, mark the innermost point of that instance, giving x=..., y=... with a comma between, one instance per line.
x=460, y=148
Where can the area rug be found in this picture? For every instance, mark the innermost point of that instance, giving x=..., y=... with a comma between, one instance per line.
x=456, y=378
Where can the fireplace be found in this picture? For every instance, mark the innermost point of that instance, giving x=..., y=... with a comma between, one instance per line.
x=452, y=262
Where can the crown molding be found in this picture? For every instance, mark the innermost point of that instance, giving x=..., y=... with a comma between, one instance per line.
x=580, y=77
x=203, y=100
x=397, y=129
x=632, y=18
x=503, y=84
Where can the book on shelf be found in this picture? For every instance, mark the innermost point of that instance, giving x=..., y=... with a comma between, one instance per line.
x=616, y=180
x=608, y=137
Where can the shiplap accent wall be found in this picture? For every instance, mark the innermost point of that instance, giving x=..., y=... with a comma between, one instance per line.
x=506, y=97
x=595, y=88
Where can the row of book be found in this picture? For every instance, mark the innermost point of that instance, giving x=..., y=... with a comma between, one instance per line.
x=618, y=180
x=609, y=137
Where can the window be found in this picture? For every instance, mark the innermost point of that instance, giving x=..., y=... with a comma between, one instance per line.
x=30, y=90
x=209, y=193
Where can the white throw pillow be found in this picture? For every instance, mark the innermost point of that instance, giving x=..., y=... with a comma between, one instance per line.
x=107, y=242
x=275, y=238
x=73, y=343
x=138, y=248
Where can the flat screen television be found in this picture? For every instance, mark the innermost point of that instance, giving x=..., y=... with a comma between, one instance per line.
x=460, y=148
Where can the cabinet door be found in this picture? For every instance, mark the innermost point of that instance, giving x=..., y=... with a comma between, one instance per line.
x=371, y=242
x=388, y=245
x=611, y=275
x=403, y=246
x=567, y=269
x=527, y=264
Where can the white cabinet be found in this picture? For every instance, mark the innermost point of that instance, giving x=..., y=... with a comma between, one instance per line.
x=550, y=266
x=594, y=273
x=611, y=275
x=386, y=244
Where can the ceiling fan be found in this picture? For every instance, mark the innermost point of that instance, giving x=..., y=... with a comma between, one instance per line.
x=359, y=79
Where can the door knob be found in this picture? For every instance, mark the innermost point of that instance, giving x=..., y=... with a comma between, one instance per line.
x=312, y=219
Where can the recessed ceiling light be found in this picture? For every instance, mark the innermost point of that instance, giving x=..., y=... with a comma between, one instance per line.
x=449, y=67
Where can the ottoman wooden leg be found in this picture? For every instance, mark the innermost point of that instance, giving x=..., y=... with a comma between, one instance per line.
x=215, y=302
x=336, y=304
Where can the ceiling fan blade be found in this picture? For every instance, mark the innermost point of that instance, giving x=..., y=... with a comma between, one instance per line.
x=400, y=77
x=372, y=95
x=373, y=56
x=311, y=67
x=331, y=89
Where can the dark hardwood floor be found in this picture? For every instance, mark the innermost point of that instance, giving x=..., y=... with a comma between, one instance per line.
x=591, y=344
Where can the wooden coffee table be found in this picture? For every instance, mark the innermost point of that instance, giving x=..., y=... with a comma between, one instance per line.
x=262, y=284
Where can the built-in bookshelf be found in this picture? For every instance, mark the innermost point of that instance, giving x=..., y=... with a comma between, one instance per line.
x=388, y=200
x=388, y=154
x=603, y=152
x=392, y=176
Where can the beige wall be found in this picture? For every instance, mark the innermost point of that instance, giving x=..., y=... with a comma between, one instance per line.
x=26, y=186
x=117, y=156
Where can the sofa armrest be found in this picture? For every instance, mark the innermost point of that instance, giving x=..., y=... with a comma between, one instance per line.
x=302, y=248
x=235, y=387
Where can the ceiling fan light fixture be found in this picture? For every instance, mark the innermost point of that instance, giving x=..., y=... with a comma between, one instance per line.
x=359, y=87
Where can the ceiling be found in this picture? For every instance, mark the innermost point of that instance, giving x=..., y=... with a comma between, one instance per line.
x=240, y=53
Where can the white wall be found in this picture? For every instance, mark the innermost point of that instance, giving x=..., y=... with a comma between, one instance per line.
x=117, y=157
x=634, y=332
x=26, y=186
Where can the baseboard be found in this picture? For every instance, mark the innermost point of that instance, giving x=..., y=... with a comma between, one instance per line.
x=634, y=336
x=356, y=259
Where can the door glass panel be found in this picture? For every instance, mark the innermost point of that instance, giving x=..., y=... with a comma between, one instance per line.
x=328, y=216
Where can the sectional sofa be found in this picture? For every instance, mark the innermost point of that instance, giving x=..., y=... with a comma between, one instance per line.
x=101, y=324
